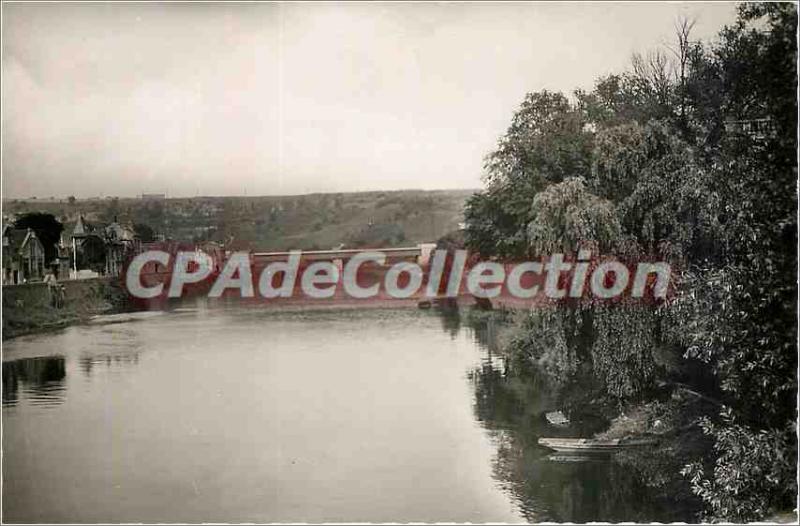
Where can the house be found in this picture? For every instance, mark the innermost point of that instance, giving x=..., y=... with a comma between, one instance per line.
x=88, y=247
x=61, y=264
x=121, y=241
x=102, y=248
x=23, y=256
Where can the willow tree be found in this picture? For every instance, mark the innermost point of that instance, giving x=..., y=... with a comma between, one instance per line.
x=602, y=344
x=566, y=217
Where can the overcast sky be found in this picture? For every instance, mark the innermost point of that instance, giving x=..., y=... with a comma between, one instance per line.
x=221, y=99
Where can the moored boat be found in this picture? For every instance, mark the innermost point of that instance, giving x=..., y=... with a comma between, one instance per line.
x=591, y=445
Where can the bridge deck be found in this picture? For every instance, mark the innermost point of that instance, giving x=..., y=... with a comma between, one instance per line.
x=344, y=254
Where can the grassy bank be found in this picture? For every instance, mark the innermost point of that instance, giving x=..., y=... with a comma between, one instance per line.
x=29, y=308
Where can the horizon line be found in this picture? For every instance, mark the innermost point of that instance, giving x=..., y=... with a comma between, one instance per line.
x=245, y=196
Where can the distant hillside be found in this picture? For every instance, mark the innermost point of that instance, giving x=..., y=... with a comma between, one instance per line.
x=313, y=221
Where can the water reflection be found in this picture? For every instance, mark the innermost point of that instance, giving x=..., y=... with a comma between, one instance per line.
x=319, y=417
x=451, y=319
x=510, y=403
x=39, y=380
x=88, y=362
x=252, y=417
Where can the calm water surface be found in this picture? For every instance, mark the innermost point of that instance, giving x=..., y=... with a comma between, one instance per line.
x=252, y=416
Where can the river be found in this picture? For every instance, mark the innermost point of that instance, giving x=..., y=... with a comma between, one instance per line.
x=250, y=415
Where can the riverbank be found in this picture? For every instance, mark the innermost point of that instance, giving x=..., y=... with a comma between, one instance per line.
x=667, y=414
x=29, y=309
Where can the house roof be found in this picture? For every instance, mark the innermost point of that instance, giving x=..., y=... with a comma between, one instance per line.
x=13, y=237
x=82, y=228
x=109, y=232
x=16, y=238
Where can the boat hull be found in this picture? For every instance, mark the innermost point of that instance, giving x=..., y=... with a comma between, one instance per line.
x=590, y=445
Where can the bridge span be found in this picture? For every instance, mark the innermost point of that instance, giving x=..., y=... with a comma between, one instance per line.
x=420, y=254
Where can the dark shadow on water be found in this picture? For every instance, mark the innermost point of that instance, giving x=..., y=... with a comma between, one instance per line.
x=40, y=380
x=451, y=320
x=511, y=405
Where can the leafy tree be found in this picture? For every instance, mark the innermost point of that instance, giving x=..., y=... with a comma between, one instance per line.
x=491, y=229
x=749, y=478
x=664, y=197
x=145, y=233
x=547, y=142
x=48, y=229
x=741, y=317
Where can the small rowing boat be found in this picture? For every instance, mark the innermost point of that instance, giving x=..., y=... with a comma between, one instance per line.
x=571, y=458
x=592, y=445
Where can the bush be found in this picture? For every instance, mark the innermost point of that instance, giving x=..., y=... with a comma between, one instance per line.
x=753, y=474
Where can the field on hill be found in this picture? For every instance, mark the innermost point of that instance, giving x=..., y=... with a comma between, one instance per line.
x=313, y=221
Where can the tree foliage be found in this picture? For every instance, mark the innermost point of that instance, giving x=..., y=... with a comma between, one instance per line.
x=691, y=156
x=627, y=370
x=145, y=233
x=547, y=142
x=565, y=217
x=749, y=478
x=47, y=228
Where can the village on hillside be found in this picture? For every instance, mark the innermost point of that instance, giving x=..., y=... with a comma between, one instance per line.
x=78, y=239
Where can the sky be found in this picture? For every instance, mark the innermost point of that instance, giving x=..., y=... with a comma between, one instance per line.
x=277, y=99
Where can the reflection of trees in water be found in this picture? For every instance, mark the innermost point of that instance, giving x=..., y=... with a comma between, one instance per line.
x=504, y=400
x=41, y=379
x=596, y=489
x=510, y=401
x=484, y=330
x=451, y=320
x=88, y=362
